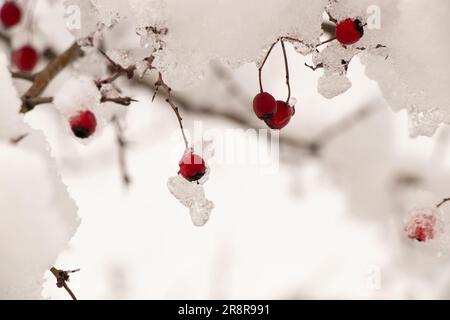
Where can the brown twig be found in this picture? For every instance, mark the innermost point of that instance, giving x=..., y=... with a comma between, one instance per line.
x=62, y=277
x=31, y=103
x=15, y=141
x=23, y=75
x=124, y=101
x=43, y=78
x=122, y=145
x=440, y=204
x=314, y=68
x=161, y=84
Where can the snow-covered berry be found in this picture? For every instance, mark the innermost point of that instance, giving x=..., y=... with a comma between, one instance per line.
x=10, y=14
x=25, y=58
x=192, y=167
x=423, y=224
x=264, y=105
x=282, y=117
x=83, y=125
x=349, y=31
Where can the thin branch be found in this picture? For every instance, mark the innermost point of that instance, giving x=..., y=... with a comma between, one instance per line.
x=314, y=68
x=43, y=78
x=31, y=103
x=15, y=141
x=161, y=84
x=124, y=101
x=326, y=41
x=122, y=145
x=62, y=277
x=23, y=75
x=442, y=202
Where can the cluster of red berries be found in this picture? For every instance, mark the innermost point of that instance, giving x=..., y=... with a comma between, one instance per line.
x=276, y=114
x=26, y=57
x=83, y=124
x=192, y=167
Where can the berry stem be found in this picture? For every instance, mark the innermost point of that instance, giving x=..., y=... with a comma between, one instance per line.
x=264, y=63
x=286, y=64
x=161, y=84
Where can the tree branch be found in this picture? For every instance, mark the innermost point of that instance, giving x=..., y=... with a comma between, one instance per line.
x=62, y=277
x=43, y=78
x=169, y=99
x=121, y=145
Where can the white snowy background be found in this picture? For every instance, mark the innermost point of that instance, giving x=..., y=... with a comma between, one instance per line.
x=321, y=227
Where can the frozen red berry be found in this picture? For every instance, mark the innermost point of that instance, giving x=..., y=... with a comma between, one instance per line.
x=83, y=125
x=10, y=14
x=264, y=106
x=349, y=31
x=192, y=167
x=25, y=58
x=423, y=225
x=282, y=117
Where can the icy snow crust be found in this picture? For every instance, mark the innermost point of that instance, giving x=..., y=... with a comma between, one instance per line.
x=38, y=217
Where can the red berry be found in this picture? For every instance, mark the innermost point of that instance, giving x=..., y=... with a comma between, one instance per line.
x=83, y=124
x=422, y=226
x=282, y=117
x=349, y=31
x=264, y=106
x=192, y=167
x=10, y=14
x=25, y=58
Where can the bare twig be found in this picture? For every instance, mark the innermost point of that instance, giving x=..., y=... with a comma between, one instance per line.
x=442, y=202
x=23, y=75
x=31, y=103
x=18, y=139
x=124, y=101
x=314, y=68
x=122, y=145
x=161, y=84
x=62, y=277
